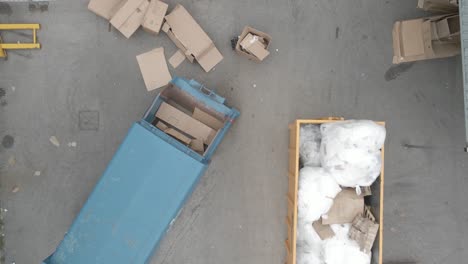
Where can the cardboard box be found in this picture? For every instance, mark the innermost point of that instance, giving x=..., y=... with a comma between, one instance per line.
x=176, y=134
x=105, y=8
x=324, y=231
x=446, y=29
x=153, y=19
x=439, y=6
x=134, y=21
x=264, y=38
x=185, y=123
x=346, y=206
x=189, y=37
x=253, y=45
x=207, y=119
x=154, y=69
x=412, y=41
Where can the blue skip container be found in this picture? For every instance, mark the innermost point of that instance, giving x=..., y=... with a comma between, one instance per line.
x=144, y=186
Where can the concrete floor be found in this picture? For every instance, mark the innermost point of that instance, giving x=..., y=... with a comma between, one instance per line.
x=329, y=58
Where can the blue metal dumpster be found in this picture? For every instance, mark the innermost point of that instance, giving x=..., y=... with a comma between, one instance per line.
x=143, y=188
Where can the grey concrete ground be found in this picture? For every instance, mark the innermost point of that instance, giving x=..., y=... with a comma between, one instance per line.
x=329, y=58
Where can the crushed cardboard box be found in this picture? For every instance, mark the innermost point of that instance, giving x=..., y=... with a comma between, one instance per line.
x=364, y=231
x=154, y=69
x=197, y=145
x=256, y=44
x=413, y=41
x=189, y=37
x=324, y=231
x=105, y=8
x=129, y=17
x=176, y=59
x=185, y=123
x=153, y=19
x=440, y=6
x=346, y=206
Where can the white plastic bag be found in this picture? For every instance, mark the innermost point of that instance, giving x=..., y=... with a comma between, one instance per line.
x=315, y=193
x=350, y=151
x=342, y=250
x=309, y=145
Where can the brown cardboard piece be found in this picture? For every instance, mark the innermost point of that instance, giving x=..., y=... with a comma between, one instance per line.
x=346, y=206
x=161, y=126
x=153, y=19
x=176, y=59
x=412, y=41
x=263, y=38
x=364, y=231
x=197, y=145
x=185, y=123
x=105, y=8
x=207, y=119
x=189, y=37
x=183, y=138
x=254, y=46
x=439, y=6
x=154, y=69
x=324, y=231
x=134, y=21
x=365, y=191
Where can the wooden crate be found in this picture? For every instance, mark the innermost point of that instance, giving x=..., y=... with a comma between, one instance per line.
x=376, y=201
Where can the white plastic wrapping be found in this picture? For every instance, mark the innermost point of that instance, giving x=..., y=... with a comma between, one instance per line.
x=342, y=250
x=309, y=145
x=315, y=193
x=350, y=151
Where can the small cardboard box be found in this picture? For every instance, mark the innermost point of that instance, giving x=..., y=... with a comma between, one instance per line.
x=189, y=37
x=263, y=36
x=154, y=69
x=324, y=231
x=346, y=206
x=412, y=41
x=185, y=123
x=253, y=45
x=153, y=19
x=129, y=17
x=105, y=8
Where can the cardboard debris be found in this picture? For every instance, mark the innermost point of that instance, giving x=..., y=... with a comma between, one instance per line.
x=207, y=119
x=197, y=145
x=346, y=206
x=153, y=19
x=105, y=8
x=366, y=191
x=185, y=123
x=162, y=126
x=189, y=37
x=324, y=231
x=364, y=231
x=440, y=6
x=154, y=69
x=176, y=59
x=413, y=41
x=134, y=21
x=259, y=50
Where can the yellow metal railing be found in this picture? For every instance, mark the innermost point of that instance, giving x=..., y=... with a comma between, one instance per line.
x=30, y=45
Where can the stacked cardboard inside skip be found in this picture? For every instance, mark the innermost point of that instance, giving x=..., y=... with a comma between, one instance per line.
x=192, y=125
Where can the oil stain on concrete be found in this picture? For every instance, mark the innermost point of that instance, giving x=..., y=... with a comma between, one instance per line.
x=8, y=141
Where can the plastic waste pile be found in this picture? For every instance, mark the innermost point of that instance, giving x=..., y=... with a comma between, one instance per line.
x=334, y=156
